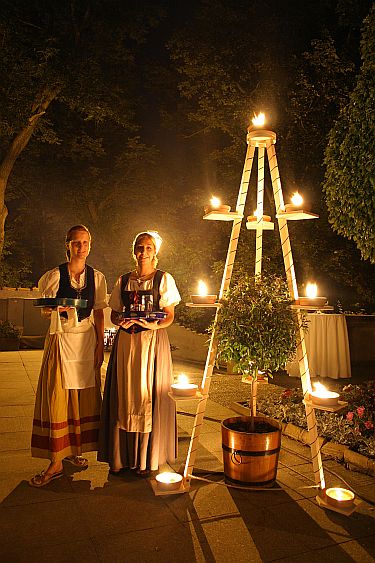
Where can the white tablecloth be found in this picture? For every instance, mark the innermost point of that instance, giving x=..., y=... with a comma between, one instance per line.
x=327, y=346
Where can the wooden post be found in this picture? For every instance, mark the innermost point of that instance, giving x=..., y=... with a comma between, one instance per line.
x=227, y=274
x=301, y=346
x=260, y=195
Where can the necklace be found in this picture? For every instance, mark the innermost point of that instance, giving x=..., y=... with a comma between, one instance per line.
x=78, y=290
x=139, y=278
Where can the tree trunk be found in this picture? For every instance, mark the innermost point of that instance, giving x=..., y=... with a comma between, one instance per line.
x=253, y=403
x=18, y=144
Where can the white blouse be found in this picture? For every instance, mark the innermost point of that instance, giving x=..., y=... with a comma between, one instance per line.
x=169, y=294
x=48, y=285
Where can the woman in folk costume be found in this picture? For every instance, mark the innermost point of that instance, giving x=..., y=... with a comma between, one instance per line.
x=68, y=399
x=138, y=420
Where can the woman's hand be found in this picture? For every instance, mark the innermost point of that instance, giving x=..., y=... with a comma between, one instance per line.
x=126, y=323
x=151, y=325
x=63, y=309
x=99, y=355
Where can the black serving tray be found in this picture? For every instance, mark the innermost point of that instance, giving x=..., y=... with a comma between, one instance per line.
x=147, y=315
x=60, y=302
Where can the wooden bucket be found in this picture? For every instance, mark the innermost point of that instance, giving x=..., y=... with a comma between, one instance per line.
x=251, y=458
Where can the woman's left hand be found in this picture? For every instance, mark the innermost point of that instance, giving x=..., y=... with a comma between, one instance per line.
x=151, y=325
x=99, y=356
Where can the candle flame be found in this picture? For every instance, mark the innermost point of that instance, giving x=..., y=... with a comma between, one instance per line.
x=215, y=202
x=259, y=120
x=183, y=379
x=322, y=392
x=340, y=494
x=311, y=290
x=297, y=199
x=168, y=477
x=202, y=288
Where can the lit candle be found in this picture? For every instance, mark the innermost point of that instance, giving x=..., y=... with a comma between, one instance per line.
x=168, y=481
x=215, y=205
x=311, y=297
x=203, y=297
x=259, y=120
x=183, y=388
x=254, y=217
x=340, y=498
x=297, y=201
x=321, y=396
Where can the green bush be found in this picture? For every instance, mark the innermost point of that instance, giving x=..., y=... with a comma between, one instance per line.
x=256, y=327
x=8, y=330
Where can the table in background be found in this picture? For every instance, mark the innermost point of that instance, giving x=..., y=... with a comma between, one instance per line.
x=327, y=347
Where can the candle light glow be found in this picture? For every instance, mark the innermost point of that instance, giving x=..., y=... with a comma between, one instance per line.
x=215, y=202
x=339, y=497
x=202, y=288
x=297, y=199
x=168, y=481
x=321, y=396
x=311, y=290
x=183, y=388
x=202, y=298
x=259, y=120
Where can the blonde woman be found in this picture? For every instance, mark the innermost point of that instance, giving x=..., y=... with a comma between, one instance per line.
x=68, y=400
x=138, y=421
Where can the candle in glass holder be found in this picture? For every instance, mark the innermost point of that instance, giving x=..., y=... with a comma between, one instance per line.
x=258, y=120
x=183, y=388
x=168, y=481
x=254, y=217
x=202, y=297
x=297, y=201
x=311, y=297
x=339, y=497
x=321, y=396
x=215, y=205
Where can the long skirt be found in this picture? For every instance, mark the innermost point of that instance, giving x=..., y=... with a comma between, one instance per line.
x=146, y=370
x=66, y=421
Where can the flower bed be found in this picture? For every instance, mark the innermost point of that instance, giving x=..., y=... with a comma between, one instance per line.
x=353, y=427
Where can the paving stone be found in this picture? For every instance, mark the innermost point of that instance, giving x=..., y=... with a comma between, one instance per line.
x=72, y=551
x=16, y=424
x=14, y=441
x=157, y=544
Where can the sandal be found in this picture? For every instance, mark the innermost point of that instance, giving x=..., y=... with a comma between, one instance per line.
x=43, y=478
x=77, y=460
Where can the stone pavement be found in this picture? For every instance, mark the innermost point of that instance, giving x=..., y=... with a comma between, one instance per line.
x=89, y=516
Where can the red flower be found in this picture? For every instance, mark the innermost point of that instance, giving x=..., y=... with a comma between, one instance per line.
x=369, y=424
x=350, y=415
x=360, y=411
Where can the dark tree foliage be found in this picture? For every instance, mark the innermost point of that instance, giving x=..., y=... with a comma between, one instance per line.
x=349, y=184
x=238, y=59
x=66, y=69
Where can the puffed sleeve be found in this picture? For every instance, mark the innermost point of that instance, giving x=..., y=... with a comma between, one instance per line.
x=169, y=294
x=48, y=284
x=100, y=291
x=115, y=301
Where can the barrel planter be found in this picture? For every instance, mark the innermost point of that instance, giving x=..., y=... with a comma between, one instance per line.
x=250, y=458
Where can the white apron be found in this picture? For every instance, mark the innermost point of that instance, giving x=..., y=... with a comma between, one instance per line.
x=77, y=342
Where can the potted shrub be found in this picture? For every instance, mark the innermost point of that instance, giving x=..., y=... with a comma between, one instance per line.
x=9, y=336
x=257, y=330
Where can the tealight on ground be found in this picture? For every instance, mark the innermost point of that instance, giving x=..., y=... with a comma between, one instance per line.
x=339, y=497
x=184, y=389
x=168, y=481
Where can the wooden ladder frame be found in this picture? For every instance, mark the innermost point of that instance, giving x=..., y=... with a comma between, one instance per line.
x=264, y=141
